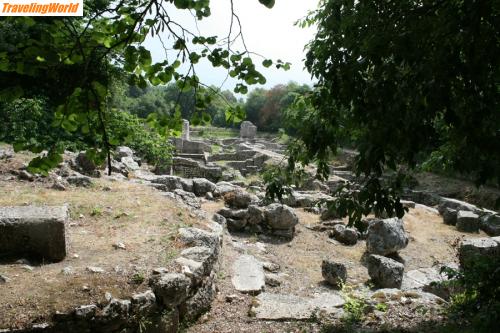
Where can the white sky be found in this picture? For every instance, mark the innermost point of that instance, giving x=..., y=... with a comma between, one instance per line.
x=269, y=32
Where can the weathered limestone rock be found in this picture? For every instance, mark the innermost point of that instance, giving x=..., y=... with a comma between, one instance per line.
x=143, y=302
x=171, y=289
x=239, y=199
x=85, y=165
x=449, y=216
x=123, y=151
x=290, y=307
x=347, y=236
x=255, y=215
x=334, y=273
x=219, y=219
x=171, y=182
x=187, y=197
x=235, y=225
x=474, y=250
x=201, y=301
x=130, y=163
x=386, y=236
x=80, y=180
x=85, y=311
x=34, y=231
x=248, y=130
x=198, y=237
x=427, y=279
x=456, y=205
x=490, y=223
x=420, y=278
x=248, y=275
x=202, y=186
x=25, y=175
x=385, y=272
x=223, y=188
x=280, y=217
x=306, y=199
x=467, y=221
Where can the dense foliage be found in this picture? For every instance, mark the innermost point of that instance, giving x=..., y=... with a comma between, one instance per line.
x=265, y=107
x=163, y=100
x=476, y=296
x=74, y=61
x=402, y=80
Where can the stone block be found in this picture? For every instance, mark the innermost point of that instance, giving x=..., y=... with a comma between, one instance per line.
x=248, y=130
x=467, y=221
x=33, y=231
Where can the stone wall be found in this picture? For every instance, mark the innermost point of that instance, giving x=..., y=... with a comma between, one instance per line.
x=241, y=155
x=191, y=147
x=174, y=297
x=188, y=168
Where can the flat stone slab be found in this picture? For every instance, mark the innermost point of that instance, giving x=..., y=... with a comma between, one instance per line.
x=248, y=275
x=291, y=307
x=33, y=231
x=420, y=278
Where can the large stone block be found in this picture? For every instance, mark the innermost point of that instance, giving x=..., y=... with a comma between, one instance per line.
x=475, y=250
x=248, y=130
x=386, y=236
x=467, y=221
x=33, y=231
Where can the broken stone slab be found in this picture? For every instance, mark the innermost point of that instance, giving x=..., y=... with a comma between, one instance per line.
x=420, y=278
x=34, y=231
x=456, y=205
x=467, y=221
x=393, y=295
x=248, y=275
x=430, y=280
x=290, y=307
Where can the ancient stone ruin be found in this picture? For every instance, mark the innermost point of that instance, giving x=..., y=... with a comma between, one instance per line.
x=185, y=129
x=36, y=232
x=248, y=130
x=235, y=255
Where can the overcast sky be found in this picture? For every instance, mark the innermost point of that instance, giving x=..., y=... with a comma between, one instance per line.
x=269, y=32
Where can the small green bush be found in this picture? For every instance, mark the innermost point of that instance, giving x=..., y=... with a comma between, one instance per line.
x=477, y=299
x=130, y=130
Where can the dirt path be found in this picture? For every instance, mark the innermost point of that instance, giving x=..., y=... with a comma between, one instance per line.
x=300, y=260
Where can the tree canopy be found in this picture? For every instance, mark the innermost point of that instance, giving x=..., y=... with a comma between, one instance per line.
x=73, y=61
x=404, y=82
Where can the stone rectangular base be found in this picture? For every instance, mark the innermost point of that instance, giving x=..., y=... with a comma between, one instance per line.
x=33, y=231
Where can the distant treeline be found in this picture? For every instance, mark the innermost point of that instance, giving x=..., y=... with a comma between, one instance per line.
x=263, y=107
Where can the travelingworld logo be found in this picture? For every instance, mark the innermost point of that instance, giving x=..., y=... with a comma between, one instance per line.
x=41, y=8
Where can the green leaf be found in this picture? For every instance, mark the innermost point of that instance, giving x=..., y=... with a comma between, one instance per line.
x=267, y=63
x=267, y=3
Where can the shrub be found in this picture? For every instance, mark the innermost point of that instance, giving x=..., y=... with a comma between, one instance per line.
x=127, y=129
x=478, y=296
